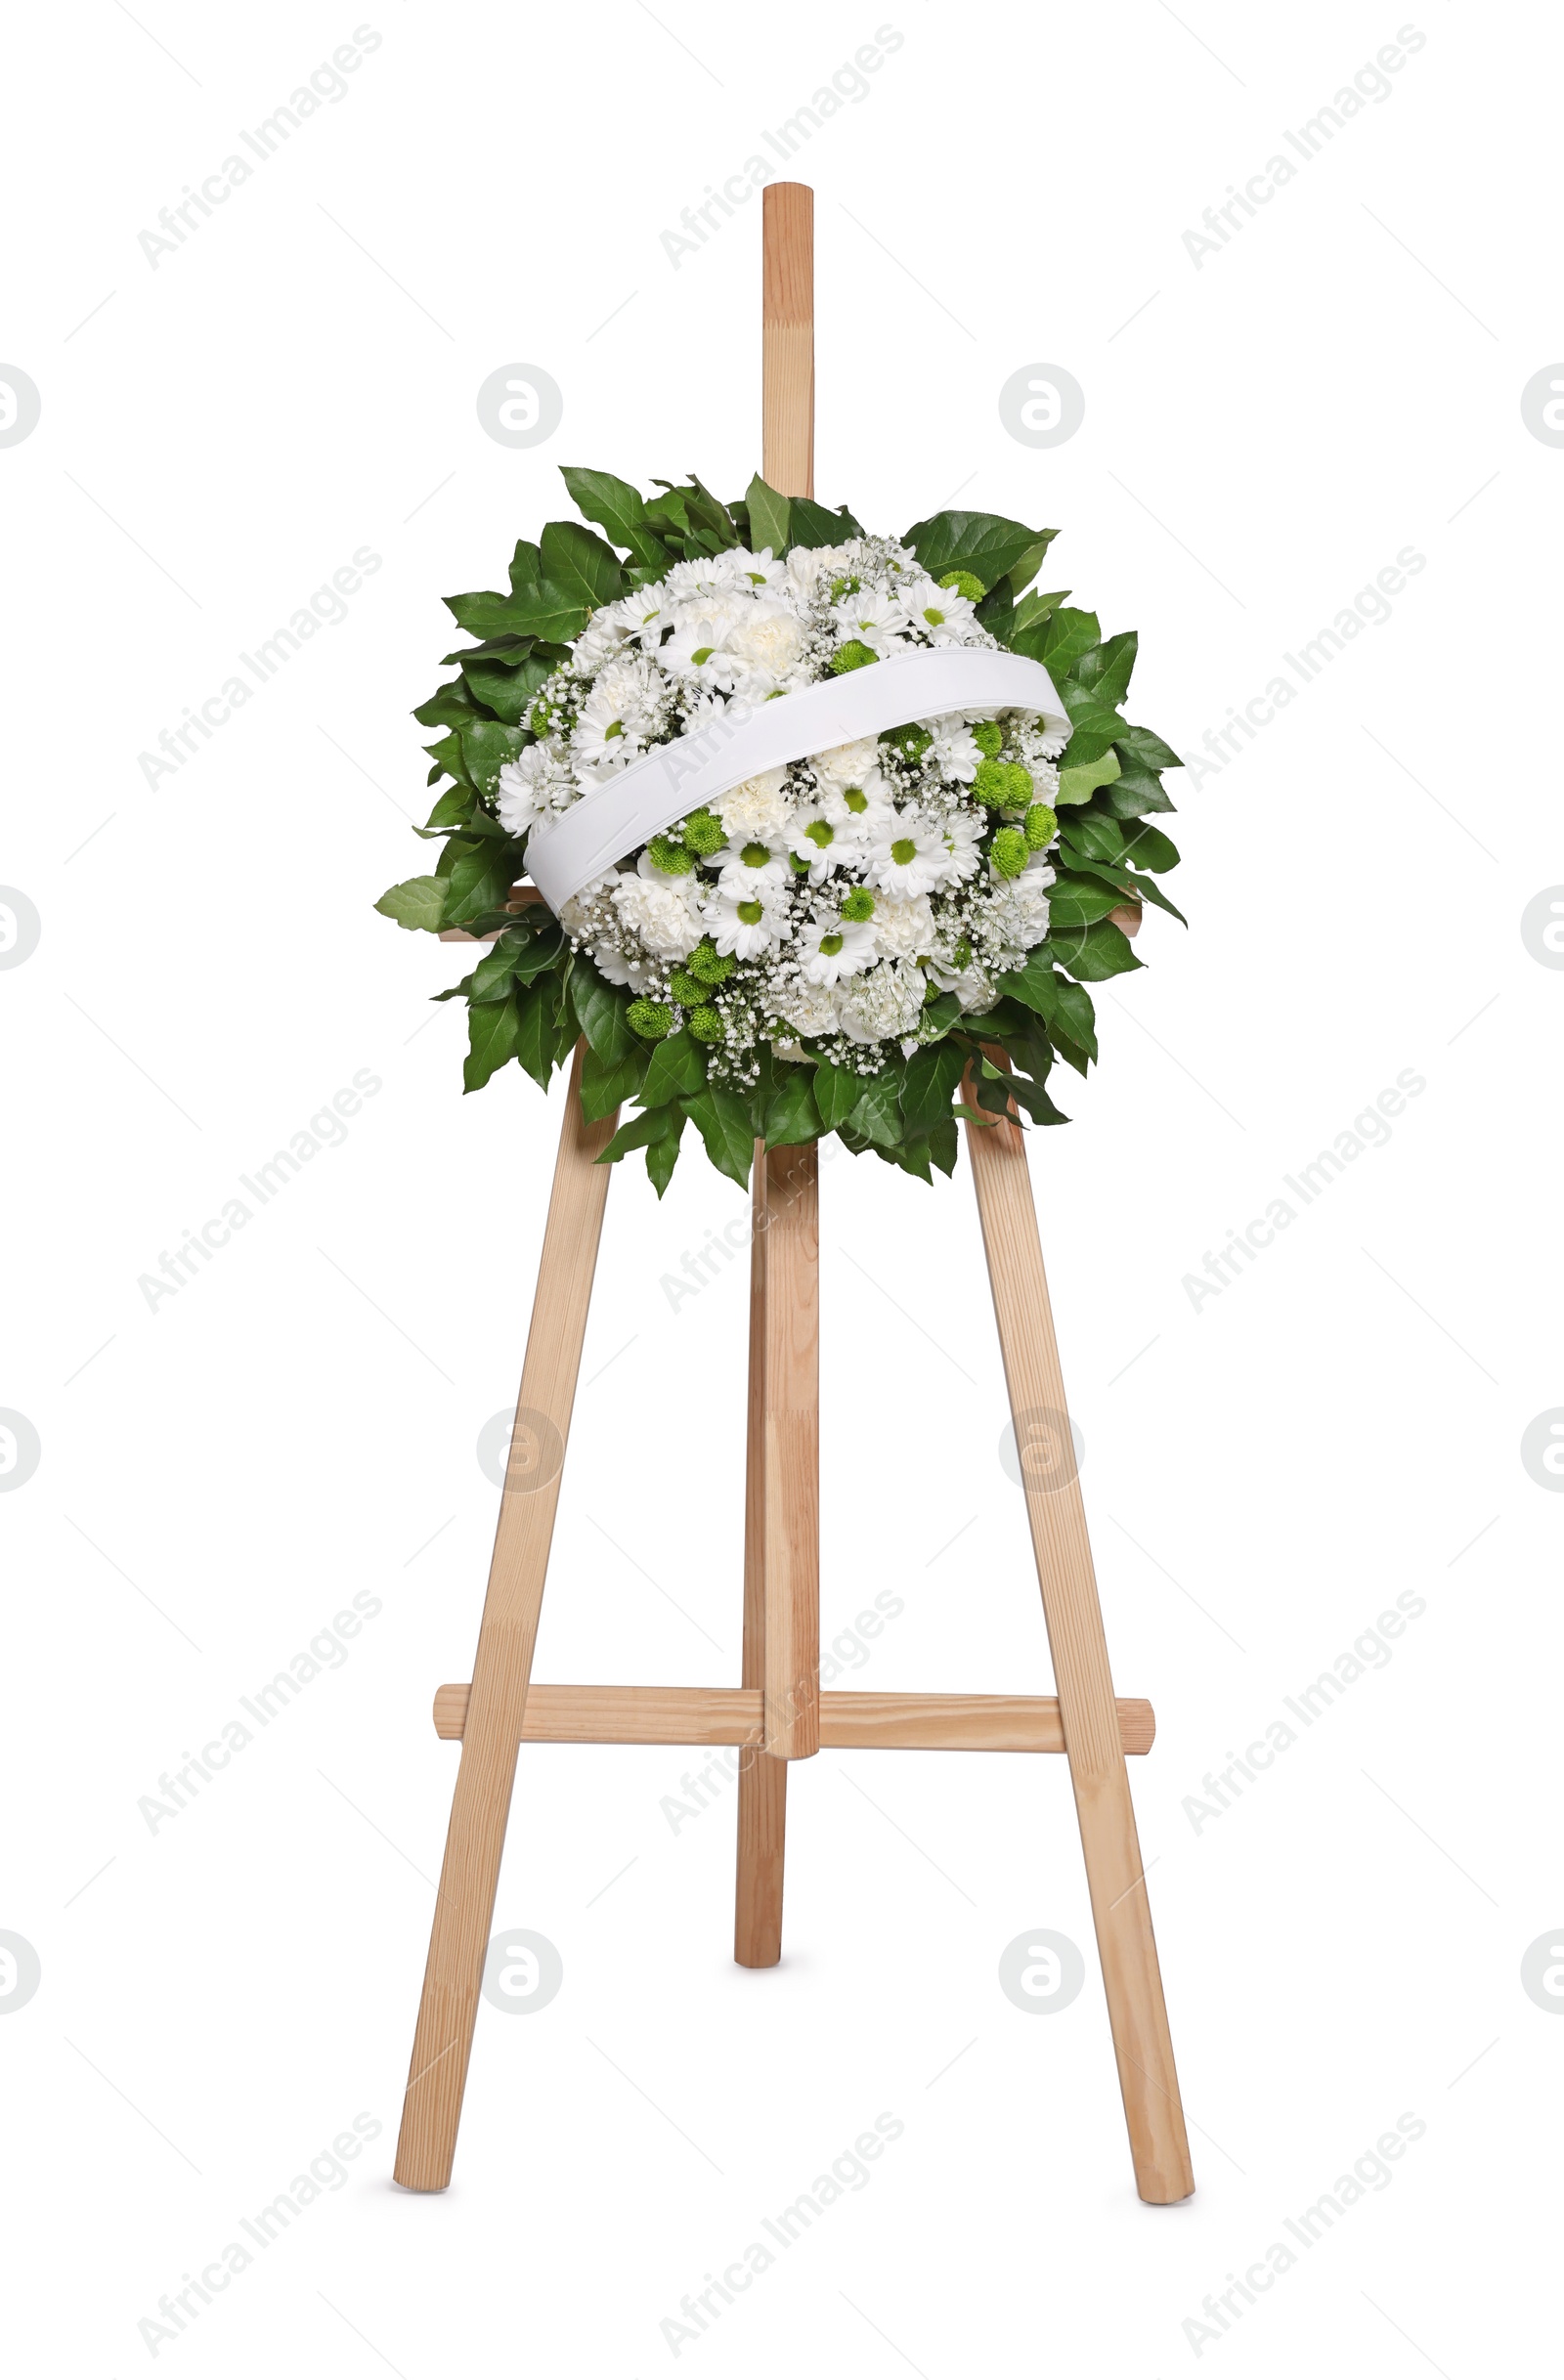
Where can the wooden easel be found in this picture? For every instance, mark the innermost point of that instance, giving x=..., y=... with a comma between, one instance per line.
x=779, y=1714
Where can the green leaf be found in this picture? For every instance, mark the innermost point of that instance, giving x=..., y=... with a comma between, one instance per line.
x=495, y=972
x=997, y=611
x=1025, y=567
x=601, y=1011
x=791, y=1115
x=1093, y=837
x=619, y=508
x=912, y=1156
x=492, y=1033
x=940, y=1015
x=1035, y=1098
x=1075, y=1014
x=479, y=877
x=809, y=524
x=1033, y=983
x=1094, y=952
x=1034, y=610
x=419, y=904
x=769, y=515
x=1136, y=790
x=548, y=612
x=836, y=1093
x=1150, y=847
x=678, y=1070
x=1106, y=668
x=943, y=1143
x=607, y=1083
x=878, y=1113
x=1149, y=749
x=985, y=544
x=537, y=1038
x=507, y=690
x=451, y=706
x=723, y=1120
x=580, y=564
x=641, y=1130
x=929, y=1085
x=662, y=1155
x=1069, y=635
x=1079, y=780
x=454, y=809
x=1080, y=901
x=1092, y=734
x=486, y=746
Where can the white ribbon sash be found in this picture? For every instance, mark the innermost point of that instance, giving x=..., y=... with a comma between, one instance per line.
x=568, y=852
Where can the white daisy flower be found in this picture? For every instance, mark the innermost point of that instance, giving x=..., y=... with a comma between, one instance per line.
x=963, y=831
x=695, y=650
x=938, y=612
x=953, y=750
x=743, y=928
x=753, y=868
x=526, y=784
x=872, y=617
x=832, y=948
x=908, y=854
x=644, y=614
x=826, y=843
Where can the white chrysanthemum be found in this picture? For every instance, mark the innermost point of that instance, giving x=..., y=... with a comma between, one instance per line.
x=772, y=638
x=826, y=843
x=964, y=832
x=809, y=1008
x=760, y=806
x=872, y=617
x=696, y=649
x=938, y=612
x=861, y=809
x=904, y=929
x=832, y=949
x=743, y=928
x=530, y=785
x=953, y=748
x=643, y=614
x=753, y=867
x=613, y=968
x=604, y=634
x=909, y=853
x=847, y=764
x=661, y=912
x=882, y=1005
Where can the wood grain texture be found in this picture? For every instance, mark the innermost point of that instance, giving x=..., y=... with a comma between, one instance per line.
x=787, y=333
x=1120, y=1907
x=790, y=1438
x=497, y=1703
x=849, y=1722
x=763, y=1811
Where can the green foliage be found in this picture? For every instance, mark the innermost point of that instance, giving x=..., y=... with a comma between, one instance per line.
x=530, y=998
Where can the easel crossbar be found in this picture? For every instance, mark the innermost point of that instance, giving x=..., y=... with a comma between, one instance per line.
x=849, y=1722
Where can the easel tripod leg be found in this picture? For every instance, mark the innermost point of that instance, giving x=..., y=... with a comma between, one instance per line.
x=502, y=1670
x=762, y=1780
x=1120, y=1908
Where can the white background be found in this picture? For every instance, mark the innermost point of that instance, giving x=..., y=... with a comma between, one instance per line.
x=1264, y=1475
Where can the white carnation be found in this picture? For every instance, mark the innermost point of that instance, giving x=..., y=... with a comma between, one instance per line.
x=760, y=808
x=904, y=929
x=882, y=1005
x=847, y=764
x=660, y=913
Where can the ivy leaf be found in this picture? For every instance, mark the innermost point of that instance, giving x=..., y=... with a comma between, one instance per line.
x=837, y=1092
x=985, y=544
x=602, y=1010
x=419, y=904
x=1148, y=750
x=1108, y=668
x=1080, y=901
x=492, y=1033
x=878, y=1113
x=619, y=508
x=769, y=515
x=1150, y=847
x=927, y=1085
x=809, y=523
x=546, y=612
x=1094, y=952
x=580, y=564
x=1069, y=635
x=507, y=690
x=607, y=1083
x=450, y=706
x=678, y=1070
x=1078, y=781
x=1136, y=790
x=791, y=1115
x=1093, y=837
x=723, y=1120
